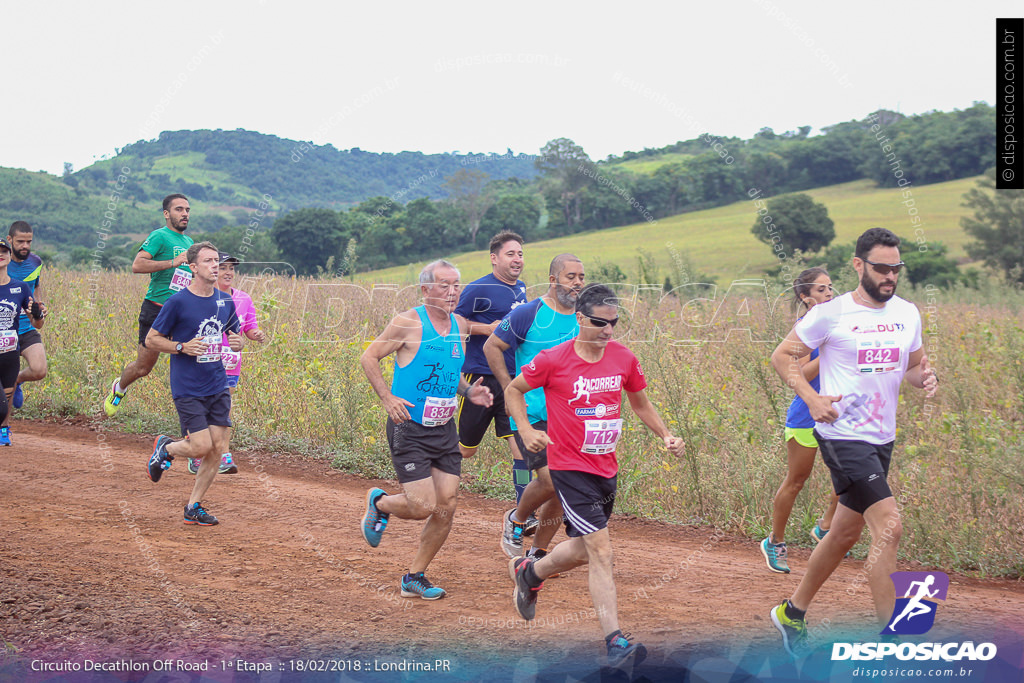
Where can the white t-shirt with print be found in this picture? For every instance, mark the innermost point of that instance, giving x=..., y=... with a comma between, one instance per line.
x=864, y=353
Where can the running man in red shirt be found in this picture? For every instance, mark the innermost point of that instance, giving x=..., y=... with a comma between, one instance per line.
x=583, y=379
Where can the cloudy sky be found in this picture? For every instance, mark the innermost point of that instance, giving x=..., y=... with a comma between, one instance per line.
x=81, y=79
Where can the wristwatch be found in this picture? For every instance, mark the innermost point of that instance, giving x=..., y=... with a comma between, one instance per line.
x=178, y=347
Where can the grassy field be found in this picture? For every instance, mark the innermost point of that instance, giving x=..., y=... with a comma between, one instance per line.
x=957, y=468
x=719, y=242
x=648, y=165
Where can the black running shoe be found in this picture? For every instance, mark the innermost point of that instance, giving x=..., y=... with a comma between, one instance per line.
x=524, y=597
x=197, y=515
x=160, y=460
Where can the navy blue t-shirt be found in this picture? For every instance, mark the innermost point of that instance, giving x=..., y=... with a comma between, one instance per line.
x=186, y=316
x=484, y=301
x=14, y=298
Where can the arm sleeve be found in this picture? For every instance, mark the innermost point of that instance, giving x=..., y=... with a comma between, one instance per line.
x=536, y=372
x=516, y=325
x=917, y=343
x=165, y=318
x=635, y=380
x=465, y=306
x=815, y=327
x=152, y=244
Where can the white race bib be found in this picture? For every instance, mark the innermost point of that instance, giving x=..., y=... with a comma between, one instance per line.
x=601, y=436
x=213, y=349
x=180, y=279
x=8, y=341
x=437, y=411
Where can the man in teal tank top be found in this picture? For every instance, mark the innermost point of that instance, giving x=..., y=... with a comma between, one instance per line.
x=429, y=347
x=162, y=256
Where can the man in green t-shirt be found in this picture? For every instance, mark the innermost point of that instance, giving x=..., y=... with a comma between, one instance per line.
x=162, y=255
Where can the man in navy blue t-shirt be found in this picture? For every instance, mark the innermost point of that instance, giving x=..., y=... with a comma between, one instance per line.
x=484, y=302
x=191, y=327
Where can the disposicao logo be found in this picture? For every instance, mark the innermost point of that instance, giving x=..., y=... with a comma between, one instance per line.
x=914, y=614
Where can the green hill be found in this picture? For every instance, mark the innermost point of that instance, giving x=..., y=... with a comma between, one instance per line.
x=227, y=174
x=719, y=242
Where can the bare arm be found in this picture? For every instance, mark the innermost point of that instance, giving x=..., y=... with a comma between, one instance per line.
x=158, y=342
x=809, y=367
x=494, y=351
x=920, y=373
x=786, y=361
x=390, y=341
x=515, y=403
x=144, y=263
x=648, y=414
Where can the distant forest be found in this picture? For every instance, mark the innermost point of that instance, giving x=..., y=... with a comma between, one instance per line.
x=364, y=210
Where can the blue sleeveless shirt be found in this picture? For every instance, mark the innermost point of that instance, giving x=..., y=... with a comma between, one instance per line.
x=430, y=379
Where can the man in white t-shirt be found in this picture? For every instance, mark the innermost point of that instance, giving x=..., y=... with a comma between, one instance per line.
x=869, y=340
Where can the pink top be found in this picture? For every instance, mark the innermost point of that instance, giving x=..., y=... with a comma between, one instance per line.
x=246, y=312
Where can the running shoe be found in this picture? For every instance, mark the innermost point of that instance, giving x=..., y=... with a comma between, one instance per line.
x=113, y=400
x=193, y=465
x=227, y=465
x=5, y=436
x=160, y=460
x=197, y=515
x=374, y=521
x=537, y=553
x=511, y=536
x=775, y=556
x=18, y=400
x=622, y=652
x=524, y=597
x=794, y=631
x=532, y=523
x=817, y=533
x=418, y=586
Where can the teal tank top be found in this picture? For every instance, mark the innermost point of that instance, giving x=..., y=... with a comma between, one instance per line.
x=430, y=379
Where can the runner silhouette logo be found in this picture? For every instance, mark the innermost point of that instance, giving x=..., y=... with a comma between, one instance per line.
x=916, y=596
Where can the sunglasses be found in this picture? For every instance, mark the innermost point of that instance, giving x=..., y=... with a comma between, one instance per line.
x=886, y=268
x=601, y=322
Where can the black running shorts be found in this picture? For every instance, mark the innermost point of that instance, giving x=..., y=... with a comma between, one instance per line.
x=147, y=314
x=474, y=419
x=859, y=470
x=30, y=338
x=10, y=366
x=534, y=461
x=196, y=413
x=587, y=500
x=416, y=449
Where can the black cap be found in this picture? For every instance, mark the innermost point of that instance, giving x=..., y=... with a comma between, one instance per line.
x=225, y=257
x=4, y=244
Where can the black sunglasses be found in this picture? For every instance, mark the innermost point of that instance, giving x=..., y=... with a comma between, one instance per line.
x=601, y=322
x=886, y=268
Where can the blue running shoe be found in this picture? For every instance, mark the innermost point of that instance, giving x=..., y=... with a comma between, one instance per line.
x=417, y=586
x=817, y=533
x=5, y=436
x=623, y=653
x=18, y=400
x=374, y=521
x=161, y=459
x=775, y=556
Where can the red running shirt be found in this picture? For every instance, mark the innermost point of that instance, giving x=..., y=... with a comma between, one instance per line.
x=584, y=403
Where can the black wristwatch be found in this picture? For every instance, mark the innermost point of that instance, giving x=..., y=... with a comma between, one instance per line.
x=178, y=347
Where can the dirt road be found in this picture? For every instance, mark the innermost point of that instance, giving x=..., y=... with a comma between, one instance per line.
x=96, y=563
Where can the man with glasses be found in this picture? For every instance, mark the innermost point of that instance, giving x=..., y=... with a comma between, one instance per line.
x=869, y=340
x=583, y=379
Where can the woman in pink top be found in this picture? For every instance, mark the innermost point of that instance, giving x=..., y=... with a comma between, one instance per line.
x=232, y=359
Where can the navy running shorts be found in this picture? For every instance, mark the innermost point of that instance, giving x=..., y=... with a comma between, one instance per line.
x=534, y=461
x=196, y=413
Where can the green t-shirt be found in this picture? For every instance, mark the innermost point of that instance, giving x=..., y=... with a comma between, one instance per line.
x=165, y=244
